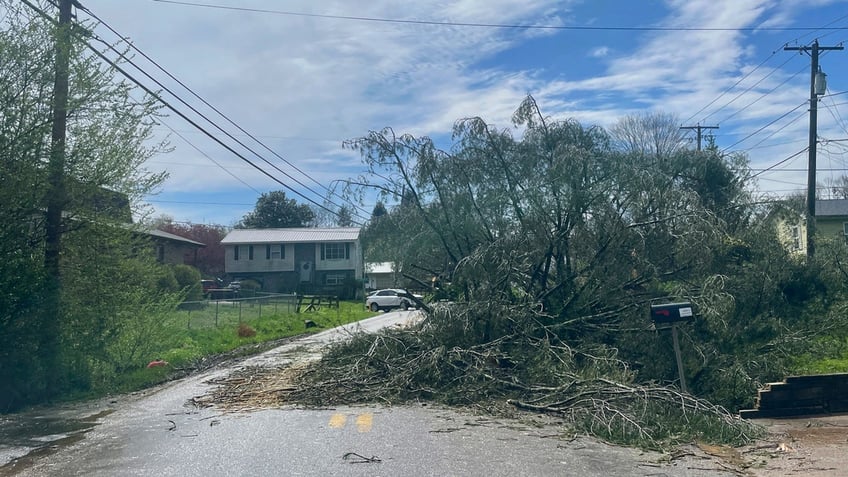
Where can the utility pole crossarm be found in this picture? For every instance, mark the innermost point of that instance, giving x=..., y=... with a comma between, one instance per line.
x=698, y=128
x=815, y=70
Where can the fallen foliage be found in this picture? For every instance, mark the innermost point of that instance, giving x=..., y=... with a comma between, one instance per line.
x=528, y=368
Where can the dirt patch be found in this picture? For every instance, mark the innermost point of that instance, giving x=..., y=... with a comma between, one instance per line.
x=810, y=446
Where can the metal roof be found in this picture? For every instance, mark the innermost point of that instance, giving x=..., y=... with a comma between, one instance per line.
x=831, y=207
x=170, y=236
x=298, y=235
x=380, y=267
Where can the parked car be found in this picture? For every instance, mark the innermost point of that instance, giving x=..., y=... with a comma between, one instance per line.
x=390, y=298
x=208, y=285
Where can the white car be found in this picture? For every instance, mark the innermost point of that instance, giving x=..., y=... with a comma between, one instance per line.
x=390, y=298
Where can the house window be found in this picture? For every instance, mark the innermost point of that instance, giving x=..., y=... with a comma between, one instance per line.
x=335, y=251
x=275, y=252
x=236, y=252
x=250, y=252
x=845, y=228
x=160, y=253
x=335, y=279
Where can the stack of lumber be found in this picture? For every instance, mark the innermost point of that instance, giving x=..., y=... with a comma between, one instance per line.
x=801, y=396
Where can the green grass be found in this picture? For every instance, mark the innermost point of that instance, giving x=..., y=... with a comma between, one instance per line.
x=828, y=355
x=195, y=335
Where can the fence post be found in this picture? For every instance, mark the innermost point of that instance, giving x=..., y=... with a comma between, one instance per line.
x=217, y=302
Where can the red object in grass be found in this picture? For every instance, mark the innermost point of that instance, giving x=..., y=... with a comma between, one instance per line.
x=158, y=362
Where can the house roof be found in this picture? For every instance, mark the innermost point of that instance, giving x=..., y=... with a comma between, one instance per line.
x=379, y=267
x=169, y=236
x=832, y=207
x=297, y=235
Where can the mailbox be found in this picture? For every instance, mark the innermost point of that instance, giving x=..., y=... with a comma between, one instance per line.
x=672, y=312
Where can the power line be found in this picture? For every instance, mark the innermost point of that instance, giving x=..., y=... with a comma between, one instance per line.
x=174, y=109
x=773, y=53
x=729, y=90
x=781, y=162
x=192, y=202
x=482, y=25
x=227, y=118
x=231, y=136
x=208, y=157
x=767, y=125
x=762, y=95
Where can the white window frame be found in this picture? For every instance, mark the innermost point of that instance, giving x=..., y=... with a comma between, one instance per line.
x=334, y=251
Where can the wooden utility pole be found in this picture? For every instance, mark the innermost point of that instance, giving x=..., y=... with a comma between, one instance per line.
x=813, y=141
x=56, y=201
x=699, y=128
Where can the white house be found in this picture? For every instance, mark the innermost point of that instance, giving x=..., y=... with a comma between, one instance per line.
x=297, y=259
x=381, y=275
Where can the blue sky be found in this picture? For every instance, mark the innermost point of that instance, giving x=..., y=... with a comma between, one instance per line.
x=304, y=84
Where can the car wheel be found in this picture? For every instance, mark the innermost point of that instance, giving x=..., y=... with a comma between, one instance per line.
x=404, y=305
x=374, y=307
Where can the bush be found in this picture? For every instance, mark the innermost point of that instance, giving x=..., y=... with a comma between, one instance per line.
x=188, y=280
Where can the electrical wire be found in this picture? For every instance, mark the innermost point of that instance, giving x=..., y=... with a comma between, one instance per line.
x=208, y=157
x=185, y=117
x=480, y=25
x=227, y=118
x=206, y=118
x=781, y=162
x=767, y=125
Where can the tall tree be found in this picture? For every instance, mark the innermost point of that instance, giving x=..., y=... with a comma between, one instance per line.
x=654, y=134
x=344, y=216
x=108, y=139
x=275, y=210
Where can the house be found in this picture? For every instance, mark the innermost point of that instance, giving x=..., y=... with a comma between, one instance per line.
x=173, y=249
x=309, y=260
x=831, y=222
x=381, y=275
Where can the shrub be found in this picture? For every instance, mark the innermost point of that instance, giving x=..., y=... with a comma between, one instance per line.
x=188, y=279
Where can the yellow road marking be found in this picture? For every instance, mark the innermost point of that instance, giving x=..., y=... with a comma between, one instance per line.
x=337, y=421
x=364, y=421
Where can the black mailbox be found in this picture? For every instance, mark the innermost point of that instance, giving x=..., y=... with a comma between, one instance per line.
x=672, y=312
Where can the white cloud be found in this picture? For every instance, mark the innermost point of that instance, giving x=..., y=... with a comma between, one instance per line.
x=306, y=84
x=600, y=52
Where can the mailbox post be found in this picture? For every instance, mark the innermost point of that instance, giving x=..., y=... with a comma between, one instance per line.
x=674, y=313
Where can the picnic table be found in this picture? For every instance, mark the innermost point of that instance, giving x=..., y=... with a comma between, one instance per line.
x=307, y=303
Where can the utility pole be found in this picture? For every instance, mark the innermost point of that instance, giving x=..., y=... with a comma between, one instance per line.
x=815, y=72
x=699, y=128
x=56, y=201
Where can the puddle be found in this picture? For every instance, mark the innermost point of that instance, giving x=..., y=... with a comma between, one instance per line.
x=23, y=437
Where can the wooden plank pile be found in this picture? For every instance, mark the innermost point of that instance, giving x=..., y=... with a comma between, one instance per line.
x=801, y=396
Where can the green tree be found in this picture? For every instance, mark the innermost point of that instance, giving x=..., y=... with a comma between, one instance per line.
x=344, y=216
x=109, y=138
x=275, y=210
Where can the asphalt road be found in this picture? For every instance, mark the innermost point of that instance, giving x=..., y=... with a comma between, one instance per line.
x=157, y=433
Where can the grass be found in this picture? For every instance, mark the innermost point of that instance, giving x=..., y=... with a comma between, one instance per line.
x=828, y=355
x=194, y=337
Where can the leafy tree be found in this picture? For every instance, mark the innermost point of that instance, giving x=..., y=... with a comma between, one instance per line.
x=562, y=221
x=378, y=211
x=46, y=352
x=653, y=134
x=210, y=259
x=275, y=210
x=344, y=216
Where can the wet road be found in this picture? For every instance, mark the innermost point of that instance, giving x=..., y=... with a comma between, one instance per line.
x=158, y=434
